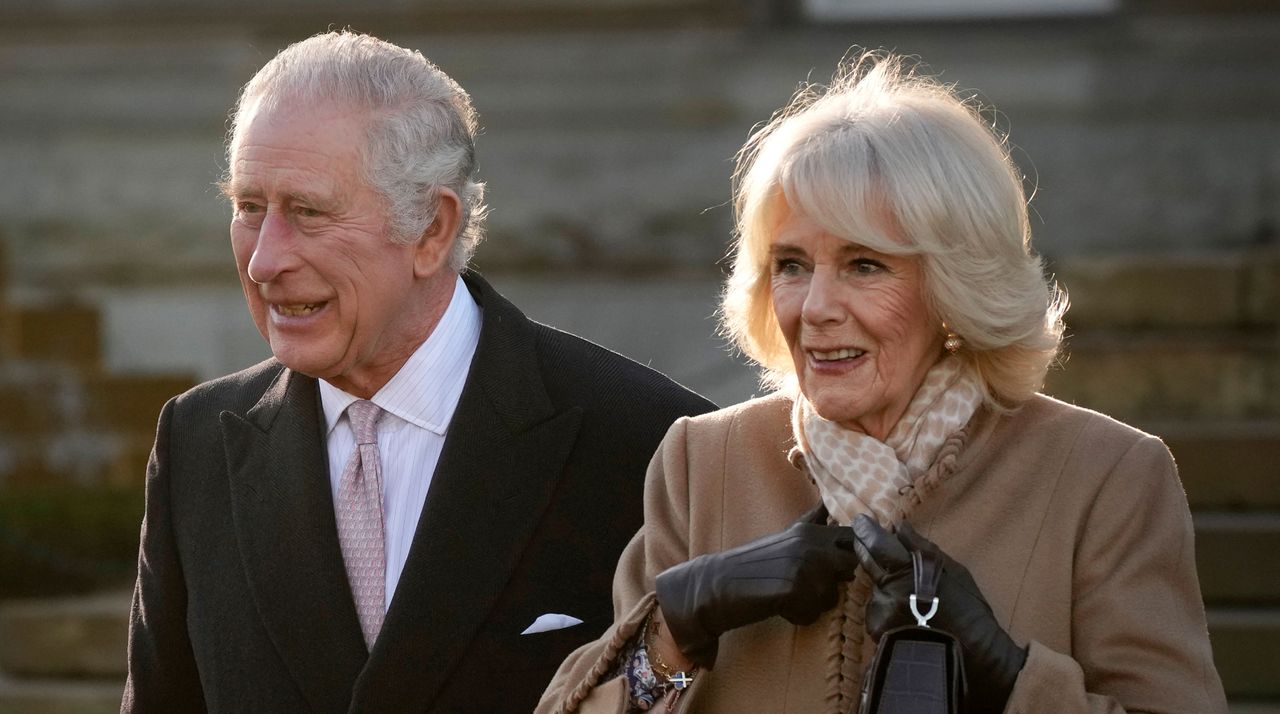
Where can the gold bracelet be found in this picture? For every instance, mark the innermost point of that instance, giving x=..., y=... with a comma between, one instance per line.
x=678, y=679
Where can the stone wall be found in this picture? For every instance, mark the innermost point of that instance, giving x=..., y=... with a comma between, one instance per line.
x=609, y=133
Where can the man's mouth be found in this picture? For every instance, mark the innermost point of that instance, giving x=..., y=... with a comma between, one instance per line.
x=299, y=309
x=836, y=355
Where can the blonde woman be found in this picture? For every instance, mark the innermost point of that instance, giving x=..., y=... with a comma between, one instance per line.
x=885, y=282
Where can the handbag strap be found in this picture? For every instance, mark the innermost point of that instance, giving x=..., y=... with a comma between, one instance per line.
x=928, y=573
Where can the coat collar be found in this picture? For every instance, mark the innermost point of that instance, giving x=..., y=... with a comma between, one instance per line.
x=506, y=445
x=283, y=517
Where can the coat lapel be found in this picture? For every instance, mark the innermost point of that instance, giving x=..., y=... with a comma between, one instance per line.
x=288, y=541
x=505, y=446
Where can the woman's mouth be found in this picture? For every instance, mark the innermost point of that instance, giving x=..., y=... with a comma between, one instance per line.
x=836, y=355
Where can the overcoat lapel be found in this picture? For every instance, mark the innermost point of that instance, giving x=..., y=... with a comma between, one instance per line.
x=284, y=525
x=505, y=447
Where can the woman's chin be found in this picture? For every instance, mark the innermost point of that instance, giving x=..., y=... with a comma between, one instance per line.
x=855, y=410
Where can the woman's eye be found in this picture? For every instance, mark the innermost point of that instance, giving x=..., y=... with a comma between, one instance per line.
x=867, y=266
x=786, y=266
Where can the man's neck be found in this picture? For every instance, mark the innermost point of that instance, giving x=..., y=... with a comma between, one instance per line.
x=366, y=382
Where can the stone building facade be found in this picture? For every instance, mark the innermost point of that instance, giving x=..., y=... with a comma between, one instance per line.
x=609, y=128
x=1149, y=131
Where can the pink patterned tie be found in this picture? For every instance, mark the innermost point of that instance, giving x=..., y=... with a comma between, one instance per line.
x=360, y=523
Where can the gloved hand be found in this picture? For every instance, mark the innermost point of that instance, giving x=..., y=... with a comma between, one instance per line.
x=794, y=573
x=991, y=658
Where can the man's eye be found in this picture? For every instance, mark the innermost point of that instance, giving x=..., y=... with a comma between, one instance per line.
x=248, y=207
x=307, y=212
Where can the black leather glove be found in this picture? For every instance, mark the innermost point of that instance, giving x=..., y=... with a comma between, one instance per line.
x=795, y=574
x=991, y=658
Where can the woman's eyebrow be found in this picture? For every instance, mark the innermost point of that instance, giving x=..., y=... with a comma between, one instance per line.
x=856, y=249
x=784, y=248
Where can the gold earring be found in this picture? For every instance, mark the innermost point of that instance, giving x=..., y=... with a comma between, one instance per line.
x=954, y=342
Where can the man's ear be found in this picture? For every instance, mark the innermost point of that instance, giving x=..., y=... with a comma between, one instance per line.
x=436, y=243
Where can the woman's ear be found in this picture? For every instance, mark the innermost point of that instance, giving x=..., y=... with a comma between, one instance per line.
x=436, y=243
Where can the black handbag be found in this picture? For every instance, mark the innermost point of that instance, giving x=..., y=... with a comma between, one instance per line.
x=917, y=669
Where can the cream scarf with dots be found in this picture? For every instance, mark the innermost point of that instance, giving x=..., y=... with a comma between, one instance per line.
x=857, y=473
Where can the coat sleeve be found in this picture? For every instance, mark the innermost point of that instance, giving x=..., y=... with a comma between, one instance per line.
x=659, y=544
x=1140, y=642
x=162, y=674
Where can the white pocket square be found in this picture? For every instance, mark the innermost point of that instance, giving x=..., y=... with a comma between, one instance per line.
x=551, y=621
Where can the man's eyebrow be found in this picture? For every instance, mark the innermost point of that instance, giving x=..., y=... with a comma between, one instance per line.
x=231, y=188
x=315, y=200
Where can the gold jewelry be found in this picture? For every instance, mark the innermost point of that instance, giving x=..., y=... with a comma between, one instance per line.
x=679, y=679
x=953, y=342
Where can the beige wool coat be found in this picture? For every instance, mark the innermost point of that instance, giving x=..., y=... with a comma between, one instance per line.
x=1075, y=527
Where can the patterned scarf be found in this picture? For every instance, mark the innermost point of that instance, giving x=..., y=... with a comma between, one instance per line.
x=857, y=473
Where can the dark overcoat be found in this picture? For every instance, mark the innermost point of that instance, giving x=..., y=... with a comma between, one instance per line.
x=242, y=602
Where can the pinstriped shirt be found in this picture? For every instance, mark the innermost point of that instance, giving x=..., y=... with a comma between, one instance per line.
x=419, y=402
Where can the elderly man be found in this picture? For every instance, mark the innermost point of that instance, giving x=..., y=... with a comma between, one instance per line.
x=412, y=506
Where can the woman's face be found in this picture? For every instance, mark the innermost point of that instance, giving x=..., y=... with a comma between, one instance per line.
x=855, y=323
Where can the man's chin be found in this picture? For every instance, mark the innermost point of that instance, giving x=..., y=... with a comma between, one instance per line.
x=308, y=364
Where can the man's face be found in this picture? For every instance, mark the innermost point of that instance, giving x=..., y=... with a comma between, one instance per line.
x=334, y=297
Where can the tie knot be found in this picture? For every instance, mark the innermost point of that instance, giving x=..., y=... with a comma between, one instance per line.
x=364, y=417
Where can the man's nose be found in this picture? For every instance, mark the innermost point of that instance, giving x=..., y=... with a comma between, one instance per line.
x=821, y=303
x=273, y=253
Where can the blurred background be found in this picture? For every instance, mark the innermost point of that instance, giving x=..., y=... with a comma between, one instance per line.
x=1149, y=130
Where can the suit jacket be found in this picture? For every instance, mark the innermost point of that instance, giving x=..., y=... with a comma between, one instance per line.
x=1074, y=526
x=242, y=603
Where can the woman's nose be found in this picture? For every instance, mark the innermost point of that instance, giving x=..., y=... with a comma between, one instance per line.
x=272, y=254
x=821, y=302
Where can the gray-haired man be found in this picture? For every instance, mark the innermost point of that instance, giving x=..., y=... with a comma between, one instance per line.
x=372, y=519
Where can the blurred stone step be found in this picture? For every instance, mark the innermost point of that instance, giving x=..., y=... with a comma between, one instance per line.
x=65, y=333
x=1198, y=290
x=63, y=427
x=4, y=277
x=130, y=403
x=59, y=696
x=1225, y=465
x=42, y=400
x=84, y=637
x=1169, y=374
x=79, y=457
x=1238, y=557
x=30, y=404
x=1246, y=649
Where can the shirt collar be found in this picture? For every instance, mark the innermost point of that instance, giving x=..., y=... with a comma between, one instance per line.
x=426, y=390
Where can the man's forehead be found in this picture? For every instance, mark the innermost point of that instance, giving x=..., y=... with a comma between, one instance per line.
x=287, y=112
x=264, y=168
x=252, y=175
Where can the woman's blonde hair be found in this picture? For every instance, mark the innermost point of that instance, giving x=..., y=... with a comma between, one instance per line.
x=882, y=141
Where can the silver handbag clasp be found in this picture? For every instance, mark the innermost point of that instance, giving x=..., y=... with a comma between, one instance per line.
x=923, y=620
